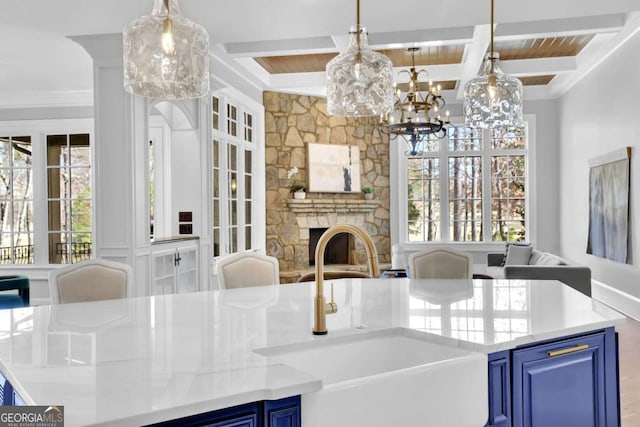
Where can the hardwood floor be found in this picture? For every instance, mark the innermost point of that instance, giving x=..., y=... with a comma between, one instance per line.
x=629, y=346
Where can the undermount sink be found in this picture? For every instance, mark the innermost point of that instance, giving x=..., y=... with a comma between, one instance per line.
x=389, y=377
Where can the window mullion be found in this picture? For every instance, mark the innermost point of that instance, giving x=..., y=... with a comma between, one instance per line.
x=487, y=208
x=444, y=189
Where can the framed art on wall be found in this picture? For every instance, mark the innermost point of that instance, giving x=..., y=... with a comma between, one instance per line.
x=333, y=168
x=609, y=205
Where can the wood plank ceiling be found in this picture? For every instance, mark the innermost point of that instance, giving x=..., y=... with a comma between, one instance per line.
x=547, y=47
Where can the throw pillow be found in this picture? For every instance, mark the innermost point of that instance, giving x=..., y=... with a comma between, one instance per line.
x=506, y=251
x=518, y=255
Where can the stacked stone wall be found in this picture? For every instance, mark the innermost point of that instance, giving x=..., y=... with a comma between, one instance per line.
x=291, y=122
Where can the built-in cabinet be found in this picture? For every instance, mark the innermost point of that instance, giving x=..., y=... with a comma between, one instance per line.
x=267, y=413
x=174, y=268
x=564, y=382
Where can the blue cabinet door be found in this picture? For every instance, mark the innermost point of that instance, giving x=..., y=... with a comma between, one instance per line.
x=269, y=413
x=247, y=415
x=567, y=383
x=282, y=413
x=499, y=389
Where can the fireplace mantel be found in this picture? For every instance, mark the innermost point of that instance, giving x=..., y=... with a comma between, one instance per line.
x=314, y=206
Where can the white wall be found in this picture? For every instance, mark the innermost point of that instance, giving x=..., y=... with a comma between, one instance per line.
x=546, y=199
x=598, y=115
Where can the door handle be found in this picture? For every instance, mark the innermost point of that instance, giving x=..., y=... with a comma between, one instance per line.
x=567, y=350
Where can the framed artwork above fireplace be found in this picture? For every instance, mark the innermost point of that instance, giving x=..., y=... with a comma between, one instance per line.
x=333, y=168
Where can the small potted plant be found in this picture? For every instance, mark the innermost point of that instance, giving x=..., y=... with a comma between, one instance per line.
x=298, y=191
x=368, y=193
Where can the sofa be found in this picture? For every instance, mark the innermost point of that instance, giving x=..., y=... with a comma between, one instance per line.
x=535, y=264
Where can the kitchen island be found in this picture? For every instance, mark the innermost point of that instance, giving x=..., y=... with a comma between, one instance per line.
x=147, y=360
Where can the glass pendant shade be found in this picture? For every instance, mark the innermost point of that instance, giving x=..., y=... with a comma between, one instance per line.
x=359, y=81
x=493, y=99
x=166, y=55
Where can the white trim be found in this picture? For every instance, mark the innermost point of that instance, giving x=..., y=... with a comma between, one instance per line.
x=621, y=301
x=38, y=131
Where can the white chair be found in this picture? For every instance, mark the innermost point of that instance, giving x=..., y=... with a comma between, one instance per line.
x=248, y=269
x=90, y=280
x=441, y=263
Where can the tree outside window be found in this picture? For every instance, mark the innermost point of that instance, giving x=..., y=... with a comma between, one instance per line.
x=459, y=203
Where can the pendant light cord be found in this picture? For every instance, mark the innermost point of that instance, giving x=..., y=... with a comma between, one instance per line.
x=492, y=26
x=358, y=22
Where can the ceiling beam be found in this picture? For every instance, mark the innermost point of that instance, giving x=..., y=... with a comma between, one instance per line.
x=280, y=47
x=561, y=27
x=539, y=66
x=474, y=53
x=600, y=48
x=417, y=38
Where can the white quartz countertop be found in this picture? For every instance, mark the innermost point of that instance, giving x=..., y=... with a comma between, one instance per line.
x=144, y=360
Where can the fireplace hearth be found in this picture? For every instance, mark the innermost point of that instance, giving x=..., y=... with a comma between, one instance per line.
x=337, y=251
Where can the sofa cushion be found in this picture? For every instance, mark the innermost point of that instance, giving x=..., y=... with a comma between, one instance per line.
x=535, y=256
x=506, y=250
x=549, y=259
x=518, y=255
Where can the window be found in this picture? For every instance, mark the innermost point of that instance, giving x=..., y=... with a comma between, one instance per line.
x=16, y=200
x=468, y=187
x=69, y=198
x=45, y=191
x=233, y=157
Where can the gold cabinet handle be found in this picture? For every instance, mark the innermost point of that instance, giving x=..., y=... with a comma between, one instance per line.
x=567, y=350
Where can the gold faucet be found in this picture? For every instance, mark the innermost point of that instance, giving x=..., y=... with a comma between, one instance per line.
x=322, y=308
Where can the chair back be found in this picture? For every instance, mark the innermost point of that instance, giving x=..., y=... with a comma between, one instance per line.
x=247, y=269
x=90, y=280
x=441, y=263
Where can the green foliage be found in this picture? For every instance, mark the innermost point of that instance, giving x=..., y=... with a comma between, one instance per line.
x=367, y=190
x=297, y=187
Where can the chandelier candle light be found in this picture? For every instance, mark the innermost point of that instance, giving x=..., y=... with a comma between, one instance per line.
x=493, y=99
x=417, y=115
x=166, y=56
x=359, y=81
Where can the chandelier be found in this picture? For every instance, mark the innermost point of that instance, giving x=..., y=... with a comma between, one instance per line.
x=493, y=99
x=359, y=80
x=416, y=115
x=166, y=56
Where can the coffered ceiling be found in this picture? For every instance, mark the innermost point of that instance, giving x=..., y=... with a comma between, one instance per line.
x=284, y=45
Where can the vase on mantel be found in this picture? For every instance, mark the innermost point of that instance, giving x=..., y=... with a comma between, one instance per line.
x=368, y=196
x=299, y=195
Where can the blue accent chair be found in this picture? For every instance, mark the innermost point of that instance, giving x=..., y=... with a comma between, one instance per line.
x=19, y=283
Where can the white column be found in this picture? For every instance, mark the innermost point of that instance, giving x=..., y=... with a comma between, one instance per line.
x=121, y=211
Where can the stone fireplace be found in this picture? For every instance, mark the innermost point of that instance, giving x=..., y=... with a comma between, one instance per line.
x=292, y=121
x=322, y=214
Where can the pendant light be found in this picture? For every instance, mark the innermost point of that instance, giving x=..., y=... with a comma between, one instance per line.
x=493, y=99
x=166, y=56
x=359, y=81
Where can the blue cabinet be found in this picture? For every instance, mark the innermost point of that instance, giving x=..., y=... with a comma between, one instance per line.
x=568, y=382
x=8, y=396
x=282, y=413
x=268, y=413
x=500, y=389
